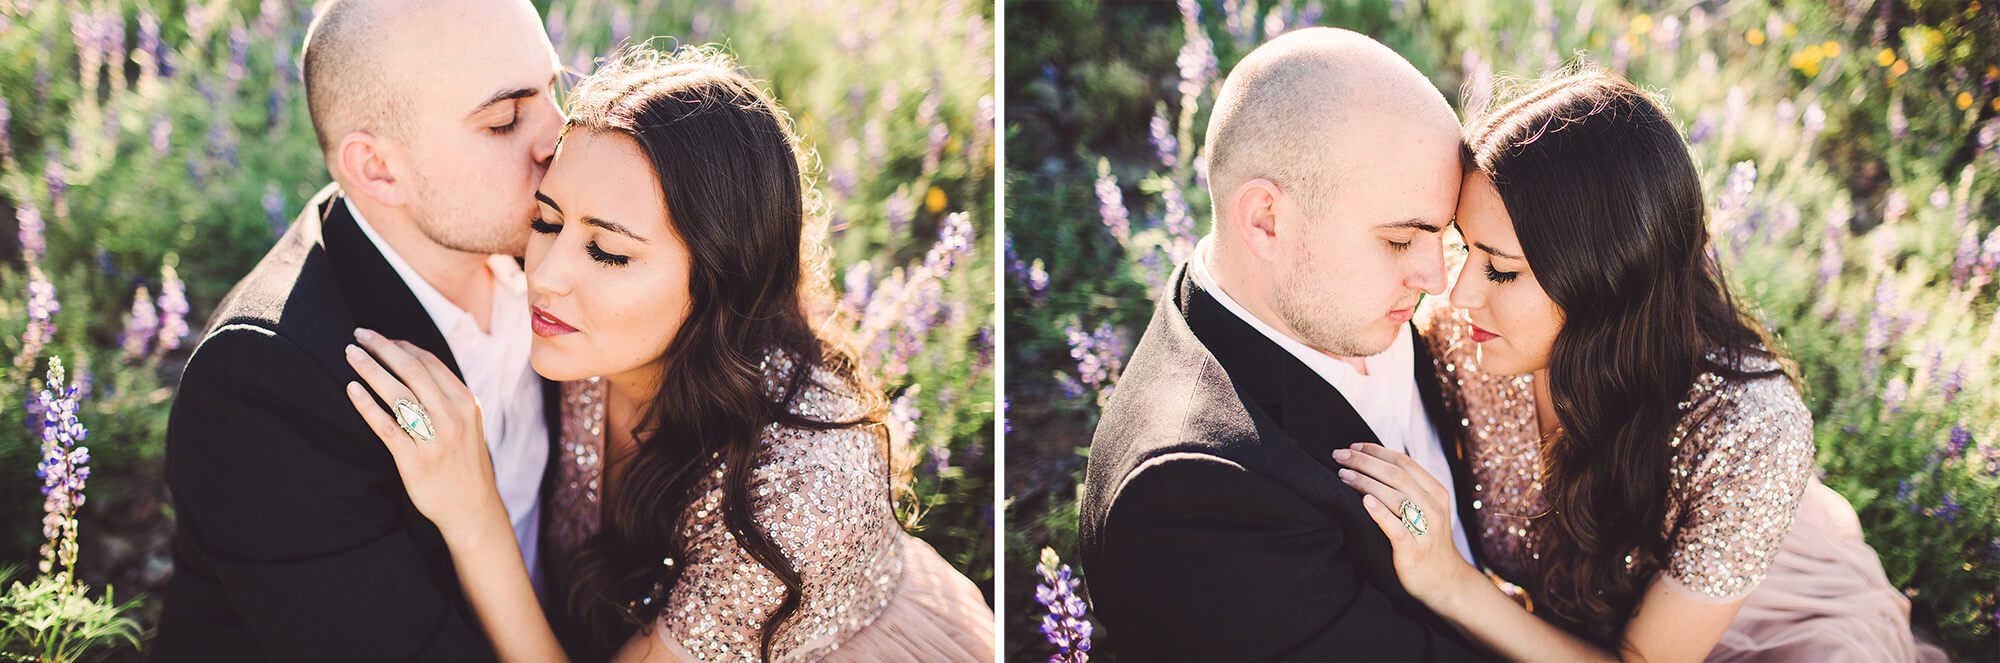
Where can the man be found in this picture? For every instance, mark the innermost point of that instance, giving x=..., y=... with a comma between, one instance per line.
x=1213, y=523
x=295, y=540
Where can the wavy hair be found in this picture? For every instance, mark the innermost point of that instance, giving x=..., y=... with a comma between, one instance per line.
x=738, y=192
x=1608, y=207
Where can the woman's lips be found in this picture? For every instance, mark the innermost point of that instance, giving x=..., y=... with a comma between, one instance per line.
x=1481, y=335
x=547, y=325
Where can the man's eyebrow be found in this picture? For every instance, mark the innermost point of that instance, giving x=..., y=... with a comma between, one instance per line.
x=613, y=227
x=1490, y=249
x=1412, y=222
x=508, y=95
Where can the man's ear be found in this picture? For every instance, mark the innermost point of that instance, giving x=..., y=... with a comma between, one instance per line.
x=1253, y=217
x=369, y=165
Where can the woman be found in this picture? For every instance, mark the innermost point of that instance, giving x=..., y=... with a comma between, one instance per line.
x=723, y=491
x=1642, y=462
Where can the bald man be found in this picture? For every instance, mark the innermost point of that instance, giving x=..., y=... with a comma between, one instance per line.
x=1213, y=523
x=295, y=540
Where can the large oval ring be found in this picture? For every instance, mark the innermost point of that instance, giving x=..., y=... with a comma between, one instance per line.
x=1413, y=518
x=414, y=420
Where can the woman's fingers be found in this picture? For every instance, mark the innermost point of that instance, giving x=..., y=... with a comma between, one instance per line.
x=379, y=421
x=1391, y=524
x=1413, y=478
x=1375, y=467
x=406, y=369
x=447, y=381
x=1370, y=486
x=379, y=379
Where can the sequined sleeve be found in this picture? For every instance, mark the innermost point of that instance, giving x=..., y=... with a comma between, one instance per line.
x=1743, y=456
x=821, y=496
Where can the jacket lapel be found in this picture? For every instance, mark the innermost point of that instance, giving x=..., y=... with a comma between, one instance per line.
x=376, y=294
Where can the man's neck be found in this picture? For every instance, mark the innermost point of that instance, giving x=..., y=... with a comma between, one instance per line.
x=461, y=277
x=1231, y=282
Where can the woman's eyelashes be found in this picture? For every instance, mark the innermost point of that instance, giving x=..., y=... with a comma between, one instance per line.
x=597, y=253
x=1498, y=276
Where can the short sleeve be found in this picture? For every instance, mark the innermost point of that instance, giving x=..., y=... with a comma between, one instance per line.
x=821, y=497
x=1738, y=477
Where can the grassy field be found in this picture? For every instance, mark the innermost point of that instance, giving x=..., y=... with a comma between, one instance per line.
x=151, y=151
x=1848, y=150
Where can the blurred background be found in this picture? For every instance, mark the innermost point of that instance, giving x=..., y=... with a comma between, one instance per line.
x=152, y=150
x=1847, y=147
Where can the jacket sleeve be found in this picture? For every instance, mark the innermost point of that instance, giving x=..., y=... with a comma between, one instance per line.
x=1206, y=560
x=298, y=510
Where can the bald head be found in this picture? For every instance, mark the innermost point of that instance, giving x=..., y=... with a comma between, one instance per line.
x=1306, y=108
x=350, y=85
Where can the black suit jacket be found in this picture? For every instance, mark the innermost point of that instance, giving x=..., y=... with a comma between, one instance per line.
x=1213, y=524
x=294, y=538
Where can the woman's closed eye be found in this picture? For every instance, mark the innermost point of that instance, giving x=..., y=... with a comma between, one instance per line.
x=1498, y=276
x=599, y=254
x=543, y=227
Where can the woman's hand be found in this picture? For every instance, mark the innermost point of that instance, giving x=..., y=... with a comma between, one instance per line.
x=1428, y=563
x=449, y=477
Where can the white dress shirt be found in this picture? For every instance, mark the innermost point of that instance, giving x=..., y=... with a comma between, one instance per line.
x=496, y=370
x=1386, y=397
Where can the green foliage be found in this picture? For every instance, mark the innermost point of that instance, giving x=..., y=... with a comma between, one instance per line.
x=1850, y=155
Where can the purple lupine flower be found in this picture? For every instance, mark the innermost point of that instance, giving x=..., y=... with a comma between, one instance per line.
x=940, y=137
x=1905, y=494
x=1899, y=124
x=904, y=414
x=274, y=209
x=1948, y=510
x=1179, y=223
x=621, y=24
x=173, y=306
x=1952, y=383
x=1829, y=246
x=1065, y=627
x=898, y=210
x=1965, y=257
x=1875, y=344
x=1098, y=354
x=52, y=173
x=42, y=309
x=1196, y=60
x=1956, y=443
x=1735, y=199
x=64, y=469
x=141, y=326
x=877, y=145
x=1161, y=134
x=6, y=118
x=858, y=284
x=1895, y=207
x=1111, y=203
x=557, y=26
x=163, y=133
x=34, y=242
x=1895, y=395
x=1814, y=122
x=1989, y=254
x=955, y=237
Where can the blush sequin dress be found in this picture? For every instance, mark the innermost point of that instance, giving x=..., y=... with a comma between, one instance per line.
x=871, y=592
x=1745, y=513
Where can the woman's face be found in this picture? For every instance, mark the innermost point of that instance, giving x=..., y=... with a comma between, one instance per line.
x=607, y=275
x=1515, y=322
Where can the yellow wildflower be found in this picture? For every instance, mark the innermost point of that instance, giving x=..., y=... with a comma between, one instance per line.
x=1964, y=100
x=1642, y=24
x=1886, y=57
x=1755, y=36
x=934, y=200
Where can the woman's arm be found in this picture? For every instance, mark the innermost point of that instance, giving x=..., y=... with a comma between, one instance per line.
x=1669, y=626
x=448, y=473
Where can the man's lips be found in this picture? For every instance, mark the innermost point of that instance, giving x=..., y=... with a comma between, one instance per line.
x=1402, y=314
x=547, y=325
x=1481, y=335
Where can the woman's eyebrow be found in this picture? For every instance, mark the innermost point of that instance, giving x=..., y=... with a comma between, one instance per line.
x=1490, y=249
x=613, y=227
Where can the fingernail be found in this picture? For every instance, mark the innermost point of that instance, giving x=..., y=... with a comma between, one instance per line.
x=353, y=351
x=1347, y=475
x=1356, y=446
x=1342, y=455
x=362, y=333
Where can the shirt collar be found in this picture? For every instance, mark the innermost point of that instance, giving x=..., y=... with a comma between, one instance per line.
x=447, y=316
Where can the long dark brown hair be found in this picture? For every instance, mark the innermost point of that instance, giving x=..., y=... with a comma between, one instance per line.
x=1608, y=207
x=738, y=194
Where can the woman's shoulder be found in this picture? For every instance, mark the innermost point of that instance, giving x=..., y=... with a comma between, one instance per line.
x=1743, y=417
